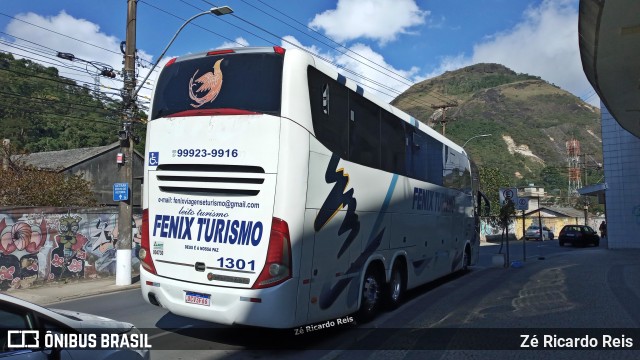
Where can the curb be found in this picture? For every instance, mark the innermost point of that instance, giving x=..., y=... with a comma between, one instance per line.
x=49, y=294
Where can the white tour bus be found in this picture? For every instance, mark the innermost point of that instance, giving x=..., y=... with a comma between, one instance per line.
x=278, y=193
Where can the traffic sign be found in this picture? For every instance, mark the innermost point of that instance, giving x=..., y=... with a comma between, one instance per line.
x=120, y=191
x=508, y=194
x=522, y=204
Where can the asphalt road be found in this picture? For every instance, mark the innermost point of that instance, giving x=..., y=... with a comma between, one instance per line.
x=555, y=288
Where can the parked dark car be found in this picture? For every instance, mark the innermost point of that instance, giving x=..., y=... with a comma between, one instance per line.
x=578, y=235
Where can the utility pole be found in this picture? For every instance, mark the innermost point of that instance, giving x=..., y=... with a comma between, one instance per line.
x=5, y=157
x=443, y=119
x=125, y=169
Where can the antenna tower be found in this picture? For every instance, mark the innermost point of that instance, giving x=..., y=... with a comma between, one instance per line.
x=573, y=158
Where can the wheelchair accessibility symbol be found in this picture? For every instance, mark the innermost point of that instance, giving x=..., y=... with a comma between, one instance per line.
x=153, y=158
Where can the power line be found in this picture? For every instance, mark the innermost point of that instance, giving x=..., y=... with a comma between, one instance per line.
x=93, y=107
x=386, y=70
x=74, y=81
x=371, y=81
x=344, y=68
x=59, y=79
x=61, y=34
x=303, y=49
x=65, y=35
x=30, y=110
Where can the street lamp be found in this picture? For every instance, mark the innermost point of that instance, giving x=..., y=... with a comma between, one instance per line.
x=218, y=11
x=477, y=136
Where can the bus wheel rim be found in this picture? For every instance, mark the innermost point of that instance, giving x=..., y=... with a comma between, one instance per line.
x=396, y=285
x=371, y=290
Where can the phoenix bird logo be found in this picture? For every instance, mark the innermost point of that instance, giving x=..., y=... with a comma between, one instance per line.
x=209, y=83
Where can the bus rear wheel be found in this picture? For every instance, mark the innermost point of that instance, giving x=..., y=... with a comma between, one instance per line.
x=396, y=287
x=371, y=296
x=466, y=259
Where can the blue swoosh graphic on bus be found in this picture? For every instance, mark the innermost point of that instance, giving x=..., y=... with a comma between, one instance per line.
x=385, y=205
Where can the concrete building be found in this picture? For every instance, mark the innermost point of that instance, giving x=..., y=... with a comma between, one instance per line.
x=96, y=164
x=610, y=51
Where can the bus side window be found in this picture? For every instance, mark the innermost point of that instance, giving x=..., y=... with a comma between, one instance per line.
x=364, y=131
x=392, y=147
x=329, y=112
x=451, y=173
x=417, y=154
x=435, y=161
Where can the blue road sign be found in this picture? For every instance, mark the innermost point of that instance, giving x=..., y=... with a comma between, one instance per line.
x=120, y=191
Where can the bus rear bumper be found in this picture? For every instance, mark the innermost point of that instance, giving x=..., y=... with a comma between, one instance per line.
x=271, y=307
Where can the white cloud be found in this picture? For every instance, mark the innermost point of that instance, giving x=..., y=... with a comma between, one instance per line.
x=375, y=74
x=290, y=42
x=365, y=66
x=239, y=41
x=379, y=20
x=544, y=44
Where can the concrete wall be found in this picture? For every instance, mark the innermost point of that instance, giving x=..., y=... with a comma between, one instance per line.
x=39, y=245
x=103, y=172
x=621, y=152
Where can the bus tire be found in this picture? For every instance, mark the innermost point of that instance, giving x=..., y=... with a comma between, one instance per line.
x=371, y=296
x=466, y=259
x=395, y=289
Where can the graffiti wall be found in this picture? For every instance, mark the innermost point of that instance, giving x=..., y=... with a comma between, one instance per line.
x=40, y=245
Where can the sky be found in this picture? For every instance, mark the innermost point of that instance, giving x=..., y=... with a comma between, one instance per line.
x=384, y=45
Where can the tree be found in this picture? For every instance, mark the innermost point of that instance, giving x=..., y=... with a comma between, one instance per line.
x=21, y=185
x=507, y=211
x=491, y=180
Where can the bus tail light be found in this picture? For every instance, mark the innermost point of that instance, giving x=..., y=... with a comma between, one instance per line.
x=279, y=50
x=145, y=249
x=220, y=52
x=277, y=268
x=170, y=62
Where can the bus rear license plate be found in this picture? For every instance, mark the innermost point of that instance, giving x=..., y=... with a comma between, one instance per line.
x=197, y=298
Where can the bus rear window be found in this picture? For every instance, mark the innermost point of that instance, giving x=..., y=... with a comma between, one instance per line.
x=251, y=82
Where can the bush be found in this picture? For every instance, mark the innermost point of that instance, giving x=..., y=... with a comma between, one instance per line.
x=21, y=185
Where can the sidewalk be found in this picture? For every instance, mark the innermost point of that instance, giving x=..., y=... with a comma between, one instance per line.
x=51, y=293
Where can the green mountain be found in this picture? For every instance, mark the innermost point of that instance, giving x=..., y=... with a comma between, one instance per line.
x=530, y=121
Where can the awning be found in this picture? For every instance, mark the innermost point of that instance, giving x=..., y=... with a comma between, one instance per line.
x=593, y=190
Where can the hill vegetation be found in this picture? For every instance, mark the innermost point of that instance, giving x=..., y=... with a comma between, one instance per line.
x=43, y=111
x=530, y=121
